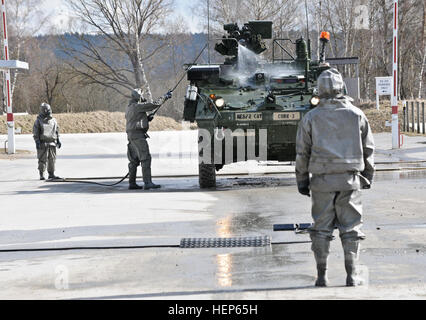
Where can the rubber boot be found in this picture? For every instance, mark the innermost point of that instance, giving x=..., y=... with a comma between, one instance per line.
x=150, y=185
x=351, y=249
x=147, y=179
x=42, y=175
x=321, y=249
x=52, y=176
x=132, y=180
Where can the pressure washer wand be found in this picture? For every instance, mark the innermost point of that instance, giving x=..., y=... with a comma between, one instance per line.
x=151, y=115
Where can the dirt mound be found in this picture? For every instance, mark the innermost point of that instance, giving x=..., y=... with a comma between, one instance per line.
x=89, y=122
x=378, y=118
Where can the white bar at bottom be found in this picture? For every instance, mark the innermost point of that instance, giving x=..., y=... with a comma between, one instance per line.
x=395, y=132
x=11, y=137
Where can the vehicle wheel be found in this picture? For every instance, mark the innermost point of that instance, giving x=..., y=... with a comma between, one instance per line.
x=207, y=175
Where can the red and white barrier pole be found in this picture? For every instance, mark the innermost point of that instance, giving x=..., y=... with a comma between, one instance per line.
x=395, y=123
x=10, y=120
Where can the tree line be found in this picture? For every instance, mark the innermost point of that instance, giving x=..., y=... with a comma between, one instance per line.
x=358, y=28
x=112, y=46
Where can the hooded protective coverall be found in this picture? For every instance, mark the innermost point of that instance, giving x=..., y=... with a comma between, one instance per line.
x=137, y=126
x=335, y=145
x=46, y=137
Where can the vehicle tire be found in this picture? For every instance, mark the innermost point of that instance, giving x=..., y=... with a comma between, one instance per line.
x=207, y=175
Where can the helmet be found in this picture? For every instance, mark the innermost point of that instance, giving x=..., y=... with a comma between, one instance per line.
x=45, y=109
x=330, y=84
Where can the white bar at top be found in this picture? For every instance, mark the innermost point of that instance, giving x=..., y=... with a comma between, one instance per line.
x=13, y=64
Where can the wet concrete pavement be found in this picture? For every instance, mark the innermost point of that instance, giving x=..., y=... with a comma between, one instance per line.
x=53, y=215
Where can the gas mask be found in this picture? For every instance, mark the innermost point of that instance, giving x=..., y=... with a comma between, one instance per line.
x=45, y=110
x=138, y=96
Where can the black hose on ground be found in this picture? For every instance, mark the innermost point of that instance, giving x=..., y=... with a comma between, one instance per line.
x=153, y=246
x=89, y=182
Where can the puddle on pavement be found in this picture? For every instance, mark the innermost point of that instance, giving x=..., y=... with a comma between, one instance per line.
x=243, y=267
x=241, y=183
x=255, y=182
x=237, y=224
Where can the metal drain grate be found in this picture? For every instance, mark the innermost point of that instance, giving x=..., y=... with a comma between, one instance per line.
x=262, y=241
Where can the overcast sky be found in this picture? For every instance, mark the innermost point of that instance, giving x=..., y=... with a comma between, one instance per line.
x=59, y=11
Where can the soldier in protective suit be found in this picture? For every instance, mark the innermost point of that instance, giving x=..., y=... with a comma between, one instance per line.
x=137, y=126
x=335, y=145
x=46, y=137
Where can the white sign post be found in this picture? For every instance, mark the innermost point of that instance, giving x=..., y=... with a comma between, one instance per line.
x=10, y=121
x=396, y=144
x=383, y=88
x=5, y=66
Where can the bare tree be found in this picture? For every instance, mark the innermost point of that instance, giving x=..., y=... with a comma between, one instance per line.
x=281, y=12
x=175, y=56
x=287, y=17
x=422, y=52
x=126, y=28
x=44, y=78
x=373, y=44
x=47, y=68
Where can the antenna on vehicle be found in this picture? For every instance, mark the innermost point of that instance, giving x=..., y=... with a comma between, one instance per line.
x=208, y=30
x=307, y=29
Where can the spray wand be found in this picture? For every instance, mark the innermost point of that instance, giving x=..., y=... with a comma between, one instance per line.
x=151, y=115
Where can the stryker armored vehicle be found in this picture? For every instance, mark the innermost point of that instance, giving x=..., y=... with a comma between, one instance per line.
x=248, y=108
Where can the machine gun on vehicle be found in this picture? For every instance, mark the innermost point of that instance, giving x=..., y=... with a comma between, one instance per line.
x=251, y=36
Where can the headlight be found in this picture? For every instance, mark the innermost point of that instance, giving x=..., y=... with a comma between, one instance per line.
x=220, y=103
x=315, y=101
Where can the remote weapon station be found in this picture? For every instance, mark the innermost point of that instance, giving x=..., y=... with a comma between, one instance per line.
x=248, y=108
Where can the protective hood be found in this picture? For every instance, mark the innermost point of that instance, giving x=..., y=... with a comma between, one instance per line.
x=137, y=95
x=330, y=84
x=45, y=111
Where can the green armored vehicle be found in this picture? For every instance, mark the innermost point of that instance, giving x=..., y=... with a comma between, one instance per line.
x=248, y=108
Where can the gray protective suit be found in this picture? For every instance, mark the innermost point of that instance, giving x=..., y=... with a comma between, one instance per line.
x=137, y=126
x=335, y=145
x=46, y=137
